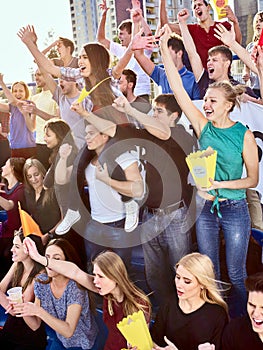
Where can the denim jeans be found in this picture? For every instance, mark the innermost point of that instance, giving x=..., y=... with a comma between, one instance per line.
x=162, y=252
x=235, y=224
x=101, y=237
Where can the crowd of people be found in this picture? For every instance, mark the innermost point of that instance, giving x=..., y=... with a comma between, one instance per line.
x=100, y=166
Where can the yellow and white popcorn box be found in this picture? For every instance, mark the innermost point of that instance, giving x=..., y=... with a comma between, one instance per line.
x=202, y=165
x=135, y=330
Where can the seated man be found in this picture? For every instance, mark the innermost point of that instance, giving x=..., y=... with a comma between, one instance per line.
x=247, y=332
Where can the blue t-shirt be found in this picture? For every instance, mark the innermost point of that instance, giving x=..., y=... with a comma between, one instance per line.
x=86, y=330
x=20, y=136
x=160, y=78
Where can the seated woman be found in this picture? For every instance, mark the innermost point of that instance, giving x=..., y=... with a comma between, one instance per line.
x=16, y=334
x=12, y=192
x=199, y=314
x=121, y=296
x=61, y=303
x=41, y=203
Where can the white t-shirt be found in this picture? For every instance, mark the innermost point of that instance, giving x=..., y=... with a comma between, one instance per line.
x=105, y=202
x=143, y=80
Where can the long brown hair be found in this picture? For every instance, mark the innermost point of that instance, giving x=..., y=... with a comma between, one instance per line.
x=36, y=269
x=134, y=299
x=63, y=135
x=99, y=59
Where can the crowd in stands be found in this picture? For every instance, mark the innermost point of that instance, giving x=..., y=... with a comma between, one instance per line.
x=99, y=164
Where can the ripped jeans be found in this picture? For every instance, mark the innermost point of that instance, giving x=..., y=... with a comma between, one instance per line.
x=235, y=224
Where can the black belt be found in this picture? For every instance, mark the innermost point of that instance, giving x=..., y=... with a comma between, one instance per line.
x=169, y=209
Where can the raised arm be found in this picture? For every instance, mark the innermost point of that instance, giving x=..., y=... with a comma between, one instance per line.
x=152, y=125
x=62, y=171
x=101, y=28
x=164, y=19
x=139, y=42
x=66, y=268
x=11, y=98
x=234, y=21
x=195, y=117
x=29, y=38
x=189, y=44
x=228, y=38
x=103, y=125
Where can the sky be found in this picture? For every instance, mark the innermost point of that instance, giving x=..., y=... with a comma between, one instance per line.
x=46, y=15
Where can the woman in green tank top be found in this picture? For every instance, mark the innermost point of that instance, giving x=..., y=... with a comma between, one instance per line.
x=223, y=205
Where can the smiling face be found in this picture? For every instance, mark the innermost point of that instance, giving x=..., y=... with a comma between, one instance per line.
x=84, y=63
x=255, y=312
x=50, y=138
x=18, y=90
x=104, y=284
x=18, y=253
x=215, y=104
x=35, y=178
x=186, y=284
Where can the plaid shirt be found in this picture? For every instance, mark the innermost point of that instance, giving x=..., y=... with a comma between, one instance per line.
x=4, y=120
x=73, y=74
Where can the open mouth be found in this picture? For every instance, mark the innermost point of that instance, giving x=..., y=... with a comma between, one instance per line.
x=211, y=70
x=257, y=323
x=199, y=13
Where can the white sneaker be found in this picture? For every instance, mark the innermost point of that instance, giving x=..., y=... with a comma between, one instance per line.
x=71, y=217
x=132, y=216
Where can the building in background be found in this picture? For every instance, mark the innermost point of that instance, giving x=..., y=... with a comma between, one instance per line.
x=85, y=16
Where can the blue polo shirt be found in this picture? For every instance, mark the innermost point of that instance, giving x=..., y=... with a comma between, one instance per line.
x=159, y=77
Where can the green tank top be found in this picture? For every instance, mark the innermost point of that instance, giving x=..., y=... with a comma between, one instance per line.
x=228, y=143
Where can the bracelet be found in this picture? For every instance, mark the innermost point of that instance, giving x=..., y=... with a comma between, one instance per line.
x=46, y=262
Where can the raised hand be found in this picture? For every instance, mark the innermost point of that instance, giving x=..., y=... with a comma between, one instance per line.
x=27, y=34
x=65, y=150
x=140, y=42
x=122, y=104
x=31, y=249
x=226, y=36
x=183, y=15
x=103, y=7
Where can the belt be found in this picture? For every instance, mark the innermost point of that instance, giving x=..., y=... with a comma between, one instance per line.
x=169, y=209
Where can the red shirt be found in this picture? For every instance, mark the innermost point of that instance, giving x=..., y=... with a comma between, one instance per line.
x=204, y=41
x=115, y=340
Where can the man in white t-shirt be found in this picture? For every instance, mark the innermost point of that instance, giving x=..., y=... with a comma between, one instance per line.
x=107, y=209
x=125, y=34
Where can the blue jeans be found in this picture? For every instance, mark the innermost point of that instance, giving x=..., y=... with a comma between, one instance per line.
x=101, y=237
x=235, y=224
x=162, y=252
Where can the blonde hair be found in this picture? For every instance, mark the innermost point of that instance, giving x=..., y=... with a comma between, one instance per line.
x=231, y=92
x=134, y=299
x=201, y=267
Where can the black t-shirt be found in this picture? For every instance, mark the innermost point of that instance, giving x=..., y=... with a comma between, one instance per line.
x=187, y=331
x=164, y=161
x=239, y=335
x=46, y=213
